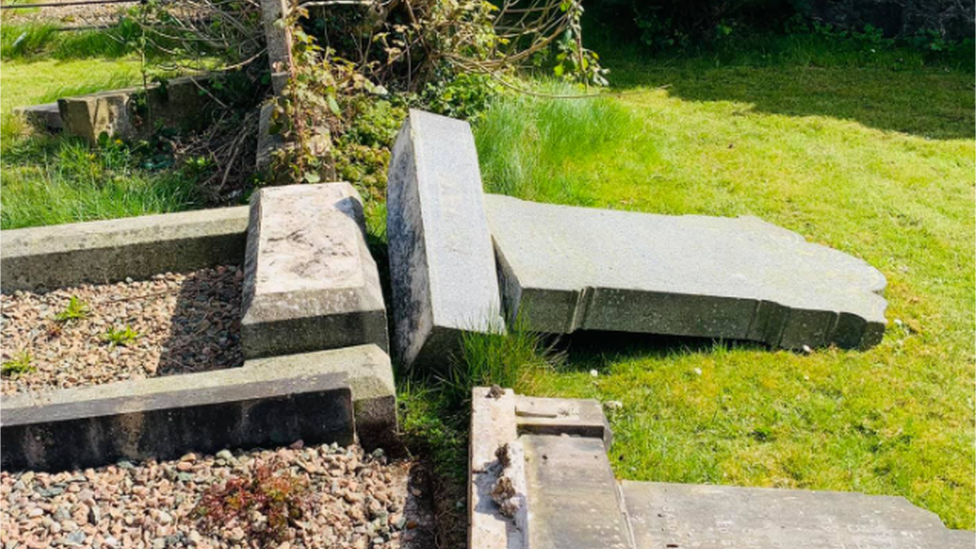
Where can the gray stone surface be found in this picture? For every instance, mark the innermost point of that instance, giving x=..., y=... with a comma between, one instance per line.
x=441, y=261
x=310, y=282
x=166, y=417
x=565, y=269
x=666, y=516
x=493, y=425
x=557, y=416
x=180, y=104
x=279, y=41
x=573, y=495
x=369, y=375
x=108, y=251
x=46, y=116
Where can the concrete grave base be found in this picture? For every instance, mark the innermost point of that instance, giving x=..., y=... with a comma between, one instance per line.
x=332, y=395
x=571, y=500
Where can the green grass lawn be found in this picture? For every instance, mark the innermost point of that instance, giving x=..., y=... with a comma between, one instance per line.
x=874, y=162
x=56, y=179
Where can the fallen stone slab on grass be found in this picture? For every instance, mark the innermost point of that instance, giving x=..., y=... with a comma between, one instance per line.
x=566, y=268
x=679, y=515
x=169, y=416
x=135, y=113
x=310, y=282
x=45, y=117
x=112, y=250
x=441, y=261
x=369, y=376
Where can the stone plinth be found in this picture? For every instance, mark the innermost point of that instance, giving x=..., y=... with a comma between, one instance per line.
x=441, y=260
x=566, y=269
x=310, y=282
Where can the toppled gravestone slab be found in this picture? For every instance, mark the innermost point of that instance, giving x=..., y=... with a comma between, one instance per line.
x=566, y=268
x=310, y=282
x=441, y=260
x=134, y=113
x=663, y=516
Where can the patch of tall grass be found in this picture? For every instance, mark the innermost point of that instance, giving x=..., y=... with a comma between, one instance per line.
x=56, y=180
x=528, y=145
x=37, y=39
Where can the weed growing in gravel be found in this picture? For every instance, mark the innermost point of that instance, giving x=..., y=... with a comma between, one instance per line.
x=265, y=503
x=123, y=337
x=75, y=310
x=21, y=364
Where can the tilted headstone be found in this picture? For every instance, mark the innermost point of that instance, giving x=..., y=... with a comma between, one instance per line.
x=566, y=268
x=310, y=282
x=441, y=259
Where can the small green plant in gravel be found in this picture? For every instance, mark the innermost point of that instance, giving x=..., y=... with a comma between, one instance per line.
x=124, y=337
x=21, y=364
x=76, y=309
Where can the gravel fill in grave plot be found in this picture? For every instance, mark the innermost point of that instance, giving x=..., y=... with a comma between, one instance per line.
x=354, y=500
x=183, y=323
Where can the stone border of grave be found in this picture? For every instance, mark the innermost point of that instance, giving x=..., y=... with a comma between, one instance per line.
x=539, y=476
x=272, y=400
x=499, y=506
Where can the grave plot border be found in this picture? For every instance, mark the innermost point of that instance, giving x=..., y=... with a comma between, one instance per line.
x=318, y=397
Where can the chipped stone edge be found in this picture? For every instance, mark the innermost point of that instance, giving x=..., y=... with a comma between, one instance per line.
x=498, y=417
x=369, y=374
x=99, y=252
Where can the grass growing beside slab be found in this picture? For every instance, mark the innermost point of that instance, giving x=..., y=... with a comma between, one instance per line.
x=59, y=179
x=874, y=162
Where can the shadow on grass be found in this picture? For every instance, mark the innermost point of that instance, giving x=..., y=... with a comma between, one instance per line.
x=931, y=103
x=588, y=350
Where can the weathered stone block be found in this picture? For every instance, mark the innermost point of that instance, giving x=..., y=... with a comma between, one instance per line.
x=369, y=375
x=107, y=251
x=134, y=113
x=712, y=517
x=441, y=261
x=45, y=117
x=565, y=269
x=166, y=417
x=310, y=282
x=573, y=494
x=278, y=38
x=557, y=416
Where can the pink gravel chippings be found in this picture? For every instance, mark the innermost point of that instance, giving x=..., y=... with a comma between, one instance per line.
x=186, y=323
x=356, y=500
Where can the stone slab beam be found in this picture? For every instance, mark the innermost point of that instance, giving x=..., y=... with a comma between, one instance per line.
x=45, y=117
x=310, y=282
x=135, y=113
x=278, y=36
x=369, y=375
x=166, y=417
x=98, y=252
x=558, y=416
x=441, y=260
x=566, y=268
